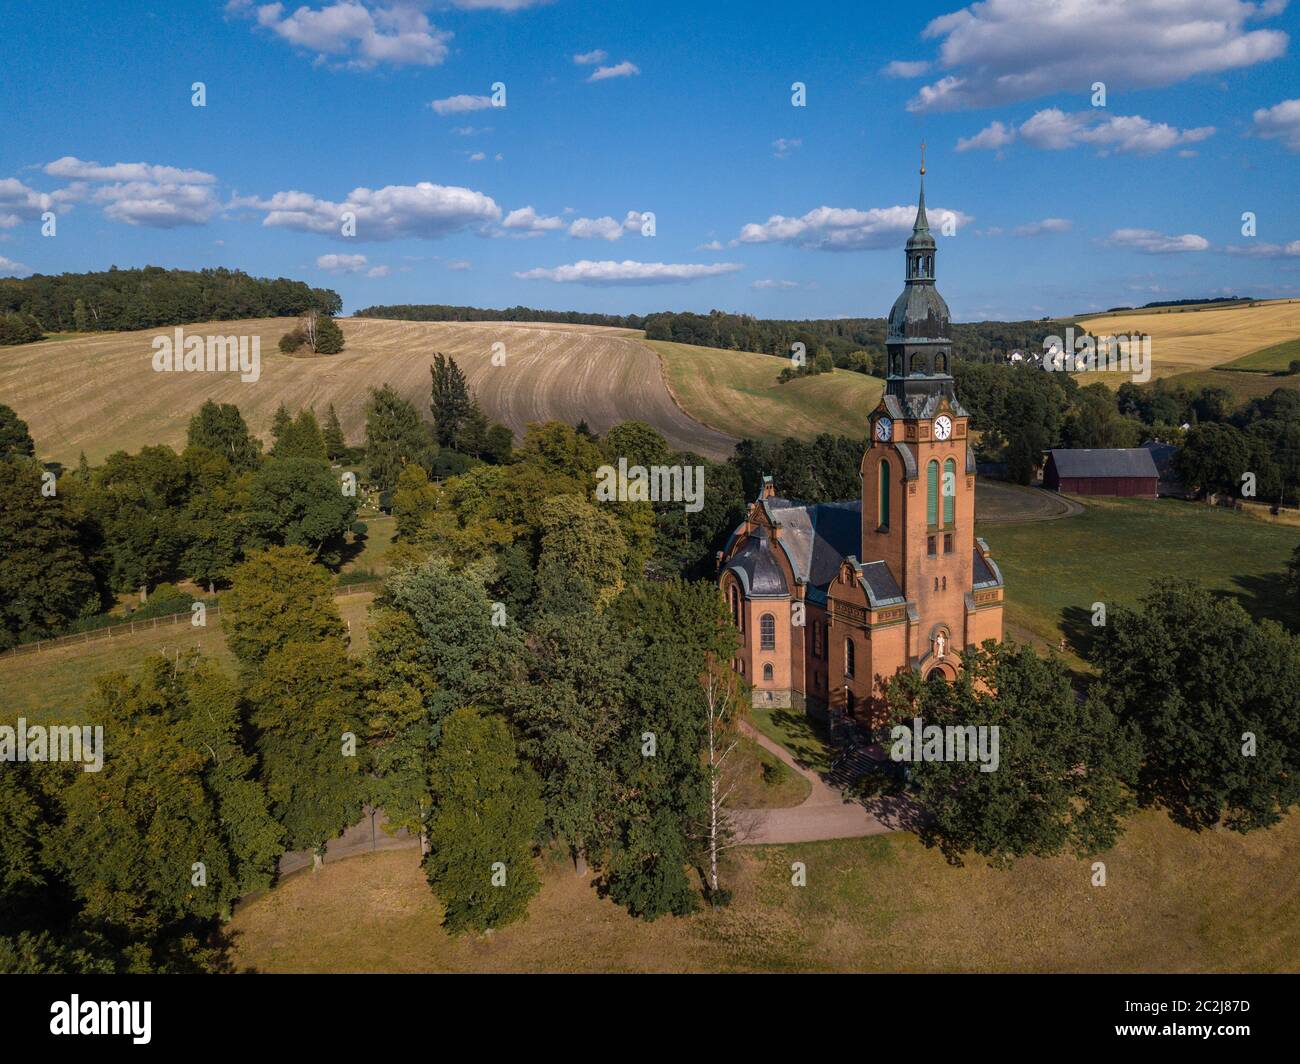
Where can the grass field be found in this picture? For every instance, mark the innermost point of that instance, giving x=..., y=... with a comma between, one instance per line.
x=1185, y=339
x=1056, y=570
x=100, y=394
x=737, y=392
x=1173, y=902
x=1275, y=359
x=56, y=684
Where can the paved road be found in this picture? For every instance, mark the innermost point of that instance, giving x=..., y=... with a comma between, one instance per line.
x=825, y=814
x=356, y=840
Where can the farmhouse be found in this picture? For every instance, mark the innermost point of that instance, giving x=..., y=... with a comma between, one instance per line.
x=832, y=599
x=1129, y=471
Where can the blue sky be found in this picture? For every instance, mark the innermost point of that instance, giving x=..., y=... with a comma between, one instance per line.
x=680, y=109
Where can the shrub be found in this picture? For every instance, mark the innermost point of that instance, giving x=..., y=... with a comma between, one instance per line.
x=292, y=341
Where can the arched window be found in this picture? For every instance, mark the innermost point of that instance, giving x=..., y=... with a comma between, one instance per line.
x=735, y=606
x=941, y=362
x=929, y=265
x=848, y=658
x=932, y=494
x=918, y=364
x=767, y=632
x=767, y=673
x=884, y=494
x=949, y=492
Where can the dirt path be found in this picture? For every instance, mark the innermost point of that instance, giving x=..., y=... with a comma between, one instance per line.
x=825, y=814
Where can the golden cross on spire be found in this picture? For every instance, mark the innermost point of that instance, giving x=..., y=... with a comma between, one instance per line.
x=922, y=158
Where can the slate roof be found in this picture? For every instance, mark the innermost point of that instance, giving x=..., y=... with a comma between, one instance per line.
x=1104, y=462
x=757, y=570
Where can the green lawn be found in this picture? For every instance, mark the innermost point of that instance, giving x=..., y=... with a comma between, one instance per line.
x=1056, y=570
x=763, y=780
x=1270, y=359
x=374, y=547
x=804, y=737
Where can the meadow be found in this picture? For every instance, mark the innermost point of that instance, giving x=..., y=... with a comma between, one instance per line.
x=737, y=392
x=1174, y=901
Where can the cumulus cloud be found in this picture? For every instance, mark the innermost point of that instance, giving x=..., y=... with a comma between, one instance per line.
x=629, y=272
x=527, y=222
x=497, y=5
x=160, y=197
x=456, y=105
x=9, y=268
x=712, y=245
x=781, y=147
x=1149, y=242
x=597, y=55
x=341, y=263
x=990, y=138
x=389, y=213
x=19, y=203
x=1047, y=225
x=378, y=271
x=605, y=227
x=1001, y=51
x=624, y=69
x=1280, y=122
x=354, y=34
x=845, y=228
x=768, y=283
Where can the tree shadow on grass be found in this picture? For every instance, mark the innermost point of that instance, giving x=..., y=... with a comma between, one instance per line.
x=1266, y=595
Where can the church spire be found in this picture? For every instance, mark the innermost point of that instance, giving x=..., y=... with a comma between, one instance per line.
x=922, y=223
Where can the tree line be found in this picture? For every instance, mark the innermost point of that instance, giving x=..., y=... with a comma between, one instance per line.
x=113, y=299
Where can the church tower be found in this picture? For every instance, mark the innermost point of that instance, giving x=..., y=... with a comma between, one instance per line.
x=918, y=474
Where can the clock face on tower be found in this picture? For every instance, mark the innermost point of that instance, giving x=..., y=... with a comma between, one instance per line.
x=942, y=427
x=884, y=430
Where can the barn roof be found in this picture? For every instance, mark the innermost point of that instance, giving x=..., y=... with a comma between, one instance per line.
x=1104, y=462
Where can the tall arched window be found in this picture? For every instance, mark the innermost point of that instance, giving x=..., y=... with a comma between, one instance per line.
x=949, y=492
x=767, y=673
x=767, y=632
x=848, y=658
x=884, y=494
x=932, y=494
x=735, y=607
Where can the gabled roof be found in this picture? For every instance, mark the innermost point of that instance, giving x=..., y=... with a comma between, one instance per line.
x=1104, y=462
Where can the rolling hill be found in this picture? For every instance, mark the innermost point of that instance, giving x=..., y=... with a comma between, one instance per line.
x=99, y=392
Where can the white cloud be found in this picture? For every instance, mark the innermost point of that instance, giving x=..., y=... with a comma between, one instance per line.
x=19, y=203
x=628, y=272
x=1047, y=225
x=160, y=197
x=781, y=147
x=389, y=213
x=456, y=105
x=845, y=228
x=378, y=271
x=1000, y=51
x=9, y=268
x=901, y=69
x=477, y=157
x=604, y=227
x=459, y=264
x=72, y=167
x=768, y=283
x=1149, y=242
x=712, y=245
x=497, y=5
x=341, y=263
x=1265, y=251
x=1055, y=130
x=470, y=131
x=356, y=35
x=597, y=55
x=529, y=222
x=624, y=69
x=1280, y=122
x=990, y=138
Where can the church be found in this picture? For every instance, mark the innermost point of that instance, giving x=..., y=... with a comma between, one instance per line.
x=831, y=599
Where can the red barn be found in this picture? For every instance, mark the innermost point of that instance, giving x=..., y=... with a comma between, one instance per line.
x=1129, y=471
